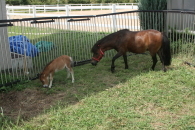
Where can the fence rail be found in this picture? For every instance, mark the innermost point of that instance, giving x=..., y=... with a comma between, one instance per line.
x=27, y=45
x=34, y=10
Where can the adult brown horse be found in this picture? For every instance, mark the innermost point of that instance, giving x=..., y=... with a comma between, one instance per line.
x=134, y=41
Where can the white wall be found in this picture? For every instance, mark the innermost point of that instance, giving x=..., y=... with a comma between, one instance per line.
x=5, y=58
x=181, y=21
x=187, y=5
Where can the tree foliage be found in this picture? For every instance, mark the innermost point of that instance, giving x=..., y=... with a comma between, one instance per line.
x=152, y=20
x=152, y=4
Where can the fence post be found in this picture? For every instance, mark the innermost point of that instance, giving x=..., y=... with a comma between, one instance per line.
x=34, y=11
x=81, y=6
x=29, y=9
x=8, y=11
x=114, y=18
x=113, y=8
x=5, y=55
x=57, y=7
x=12, y=9
x=67, y=14
x=44, y=8
x=67, y=10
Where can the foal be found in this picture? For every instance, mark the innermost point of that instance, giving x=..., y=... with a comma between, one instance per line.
x=55, y=65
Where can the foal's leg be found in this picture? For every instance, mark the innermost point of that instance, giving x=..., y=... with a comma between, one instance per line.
x=125, y=60
x=113, y=60
x=72, y=74
x=50, y=79
x=70, y=71
x=154, y=59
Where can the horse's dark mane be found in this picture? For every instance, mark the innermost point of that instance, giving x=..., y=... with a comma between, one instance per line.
x=106, y=38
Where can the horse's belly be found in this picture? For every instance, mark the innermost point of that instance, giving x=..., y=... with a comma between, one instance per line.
x=137, y=50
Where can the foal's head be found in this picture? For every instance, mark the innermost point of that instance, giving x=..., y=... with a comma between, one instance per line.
x=44, y=79
x=97, y=54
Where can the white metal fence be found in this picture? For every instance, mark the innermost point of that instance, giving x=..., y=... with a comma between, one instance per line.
x=38, y=10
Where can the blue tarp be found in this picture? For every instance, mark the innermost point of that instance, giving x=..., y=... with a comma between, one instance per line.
x=20, y=43
x=44, y=46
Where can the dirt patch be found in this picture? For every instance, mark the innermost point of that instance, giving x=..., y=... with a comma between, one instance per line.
x=27, y=103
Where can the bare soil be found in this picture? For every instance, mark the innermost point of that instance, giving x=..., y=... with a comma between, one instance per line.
x=27, y=103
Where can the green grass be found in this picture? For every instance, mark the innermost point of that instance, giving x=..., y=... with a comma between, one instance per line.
x=136, y=98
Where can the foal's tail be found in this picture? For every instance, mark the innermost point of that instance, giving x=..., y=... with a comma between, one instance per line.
x=166, y=51
x=72, y=62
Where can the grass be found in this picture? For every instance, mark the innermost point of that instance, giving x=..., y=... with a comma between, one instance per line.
x=136, y=98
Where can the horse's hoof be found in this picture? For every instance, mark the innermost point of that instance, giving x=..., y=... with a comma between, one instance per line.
x=112, y=70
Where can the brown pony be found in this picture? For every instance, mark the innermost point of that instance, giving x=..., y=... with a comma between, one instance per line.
x=55, y=65
x=134, y=41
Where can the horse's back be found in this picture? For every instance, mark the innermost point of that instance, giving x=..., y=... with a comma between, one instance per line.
x=141, y=41
x=62, y=61
x=149, y=35
x=59, y=63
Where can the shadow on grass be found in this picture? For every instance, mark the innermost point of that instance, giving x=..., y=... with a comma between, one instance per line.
x=89, y=80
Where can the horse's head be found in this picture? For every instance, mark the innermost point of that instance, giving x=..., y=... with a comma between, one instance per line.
x=97, y=56
x=44, y=79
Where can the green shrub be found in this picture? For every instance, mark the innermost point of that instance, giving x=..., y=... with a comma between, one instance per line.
x=152, y=20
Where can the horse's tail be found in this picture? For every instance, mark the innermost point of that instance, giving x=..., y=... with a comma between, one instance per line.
x=72, y=62
x=166, y=51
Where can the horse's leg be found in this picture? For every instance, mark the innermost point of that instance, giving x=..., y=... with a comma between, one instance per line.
x=125, y=60
x=154, y=59
x=113, y=60
x=161, y=59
